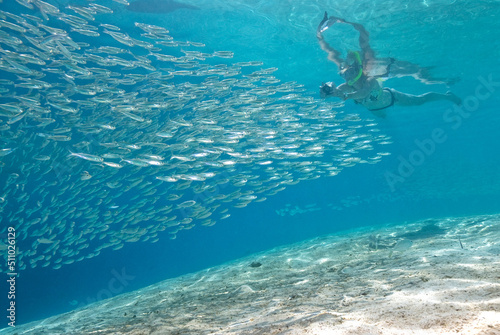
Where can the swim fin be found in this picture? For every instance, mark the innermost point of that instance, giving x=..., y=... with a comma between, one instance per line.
x=328, y=22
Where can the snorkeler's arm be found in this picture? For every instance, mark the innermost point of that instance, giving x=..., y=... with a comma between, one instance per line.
x=341, y=91
x=333, y=55
x=364, y=41
x=364, y=38
x=329, y=89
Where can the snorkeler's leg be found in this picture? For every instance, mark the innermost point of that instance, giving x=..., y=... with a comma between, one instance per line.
x=398, y=68
x=404, y=99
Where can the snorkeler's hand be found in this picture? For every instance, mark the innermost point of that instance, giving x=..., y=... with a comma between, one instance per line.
x=322, y=24
x=330, y=90
x=327, y=22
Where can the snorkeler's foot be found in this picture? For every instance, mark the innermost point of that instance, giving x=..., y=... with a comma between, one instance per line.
x=453, y=98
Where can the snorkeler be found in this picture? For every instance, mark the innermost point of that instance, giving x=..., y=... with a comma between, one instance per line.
x=361, y=71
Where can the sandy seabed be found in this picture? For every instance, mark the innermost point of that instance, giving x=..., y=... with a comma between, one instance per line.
x=430, y=277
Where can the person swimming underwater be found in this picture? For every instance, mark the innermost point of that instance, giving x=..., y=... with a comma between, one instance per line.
x=361, y=71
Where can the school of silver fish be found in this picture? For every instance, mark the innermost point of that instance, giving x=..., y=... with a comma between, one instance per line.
x=111, y=136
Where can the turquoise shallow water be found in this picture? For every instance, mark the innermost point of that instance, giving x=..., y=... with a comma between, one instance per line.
x=421, y=178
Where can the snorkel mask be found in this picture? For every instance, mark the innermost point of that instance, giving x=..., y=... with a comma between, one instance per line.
x=353, y=69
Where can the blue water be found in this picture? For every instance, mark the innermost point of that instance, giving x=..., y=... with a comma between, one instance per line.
x=457, y=175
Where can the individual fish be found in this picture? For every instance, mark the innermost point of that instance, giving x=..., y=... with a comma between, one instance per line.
x=85, y=175
x=45, y=241
x=6, y=151
x=88, y=157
